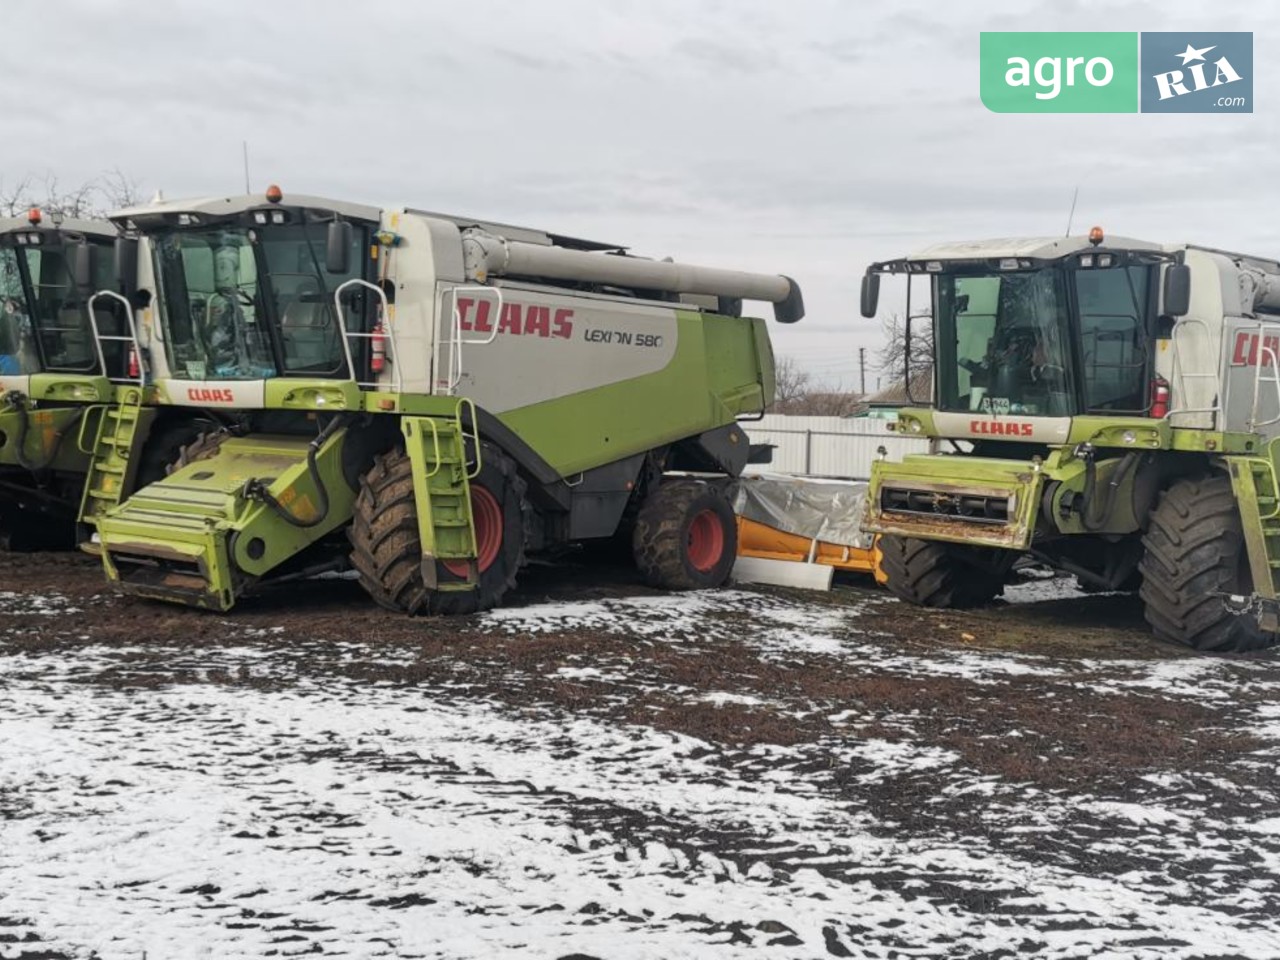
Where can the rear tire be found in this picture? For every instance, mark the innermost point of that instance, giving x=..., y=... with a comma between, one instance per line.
x=934, y=573
x=685, y=537
x=387, y=551
x=163, y=452
x=1194, y=550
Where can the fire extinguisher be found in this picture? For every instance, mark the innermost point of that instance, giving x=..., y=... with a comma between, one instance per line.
x=1159, y=398
x=135, y=368
x=378, y=357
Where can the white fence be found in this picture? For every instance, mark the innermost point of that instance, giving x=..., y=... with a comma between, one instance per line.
x=828, y=446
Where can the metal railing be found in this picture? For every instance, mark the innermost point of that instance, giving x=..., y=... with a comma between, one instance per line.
x=1265, y=357
x=131, y=339
x=388, y=332
x=1180, y=376
x=446, y=381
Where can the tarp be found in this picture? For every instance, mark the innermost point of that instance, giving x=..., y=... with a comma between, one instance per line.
x=827, y=510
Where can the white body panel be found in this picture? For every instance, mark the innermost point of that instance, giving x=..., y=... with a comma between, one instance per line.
x=981, y=426
x=228, y=394
x=21, y=384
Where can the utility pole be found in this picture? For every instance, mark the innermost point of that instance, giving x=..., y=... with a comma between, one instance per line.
x=862, y=370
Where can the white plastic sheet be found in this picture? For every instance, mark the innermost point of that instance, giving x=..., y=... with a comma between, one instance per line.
x=827, y=510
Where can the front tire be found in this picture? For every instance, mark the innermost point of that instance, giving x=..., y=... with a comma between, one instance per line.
x=1193, y=552
x=685, y=536
x=387, y=550
x=934, y=573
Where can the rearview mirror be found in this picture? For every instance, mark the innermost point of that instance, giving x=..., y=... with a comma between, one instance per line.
x=1177, y=290
x=870, y=293
x=82, y=257
x=127, y=264
x=337, y=248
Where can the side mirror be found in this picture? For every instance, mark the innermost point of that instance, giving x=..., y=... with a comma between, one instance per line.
x=82, y=256
x=127, y=264
x=1176, y=298
x=337, y=247
x=870, y=294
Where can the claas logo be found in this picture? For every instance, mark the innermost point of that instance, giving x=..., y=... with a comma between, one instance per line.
x=1003, y=428
x=522, y=319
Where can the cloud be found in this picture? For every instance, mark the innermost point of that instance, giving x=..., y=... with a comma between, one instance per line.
x=807, y=138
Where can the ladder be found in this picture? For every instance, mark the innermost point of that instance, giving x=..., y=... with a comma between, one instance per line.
x=110, y=468
x=437, y=448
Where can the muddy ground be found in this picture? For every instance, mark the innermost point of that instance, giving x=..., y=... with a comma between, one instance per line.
x=1038, y=777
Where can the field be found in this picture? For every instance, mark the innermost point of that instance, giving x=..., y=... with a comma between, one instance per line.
x=602, y=771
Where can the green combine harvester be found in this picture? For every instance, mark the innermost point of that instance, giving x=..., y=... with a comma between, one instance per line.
x=1110, y=407
x=61, y=348
x=428, y=400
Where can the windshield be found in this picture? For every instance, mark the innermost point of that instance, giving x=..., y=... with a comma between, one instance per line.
x=1002, y=342
x=44, y=325
x=247, y=303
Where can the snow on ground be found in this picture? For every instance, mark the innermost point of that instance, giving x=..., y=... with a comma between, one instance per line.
x=258, y=798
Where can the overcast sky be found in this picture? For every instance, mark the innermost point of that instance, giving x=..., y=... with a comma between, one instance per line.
x=805, y=138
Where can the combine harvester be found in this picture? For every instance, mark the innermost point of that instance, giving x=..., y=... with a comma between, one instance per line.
x=430, y=400
x=55, y=371
x=1113, y=407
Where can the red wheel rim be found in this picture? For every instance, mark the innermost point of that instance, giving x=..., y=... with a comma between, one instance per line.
x=706, y=541
x=486, y=514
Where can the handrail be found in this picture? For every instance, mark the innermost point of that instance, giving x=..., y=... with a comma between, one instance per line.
x=99, y=336
x=453, y=375
x=1180, y=376
x=388, y=331
x=463, y=403
x=1274, y=380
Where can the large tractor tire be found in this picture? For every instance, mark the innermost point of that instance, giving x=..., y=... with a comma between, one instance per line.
x=204, y=446
x=164, y=452
x=386, y=550
x=933, y=573
x=1193, y=553
x=685, y=536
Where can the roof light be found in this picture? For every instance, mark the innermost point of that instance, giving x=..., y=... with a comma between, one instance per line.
x=33, y=239
x=1086, y=260
x=259, y=217
x=21, y=238
x=1095, y=235
x=274, y=194
x=1009, y=263
x=277, y=216
x=934, y=266
x=1104, y=259
x=33, y=216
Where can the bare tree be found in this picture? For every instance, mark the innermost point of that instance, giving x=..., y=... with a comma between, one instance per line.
x=893, y=360
x=826, y=403
x=790, y=385
x=93, y=198
x=16, y=198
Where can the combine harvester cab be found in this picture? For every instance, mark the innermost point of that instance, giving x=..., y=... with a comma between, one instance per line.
x=1112, y=406
x=430, y=399
x=55, y=371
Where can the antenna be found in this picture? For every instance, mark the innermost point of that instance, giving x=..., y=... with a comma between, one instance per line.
x=248, y=189
x=1070, y=216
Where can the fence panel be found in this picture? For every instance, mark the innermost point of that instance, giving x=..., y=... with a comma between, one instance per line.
x=828, y=446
